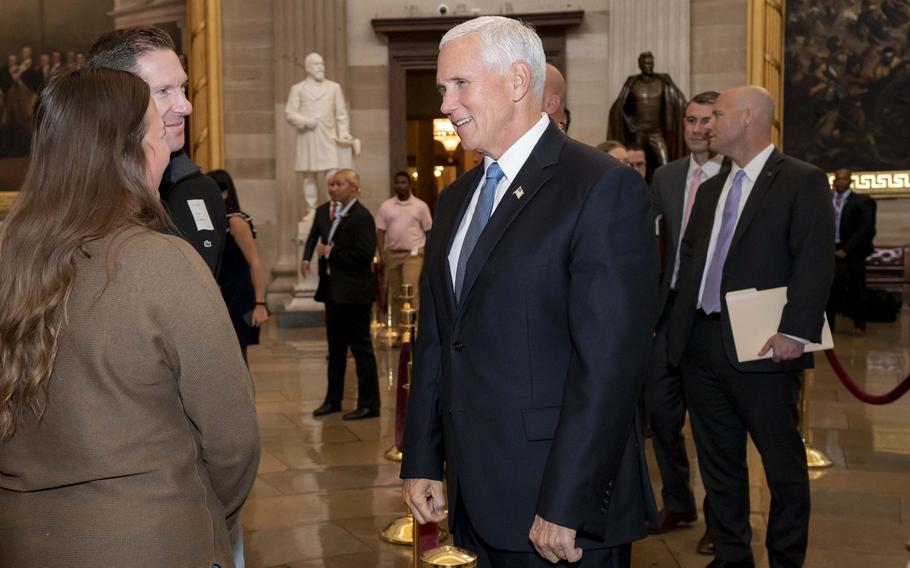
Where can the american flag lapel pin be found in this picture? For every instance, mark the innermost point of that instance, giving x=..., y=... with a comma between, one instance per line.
x=518, y=192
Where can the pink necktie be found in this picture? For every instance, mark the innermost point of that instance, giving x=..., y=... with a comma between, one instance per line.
x=690, y=198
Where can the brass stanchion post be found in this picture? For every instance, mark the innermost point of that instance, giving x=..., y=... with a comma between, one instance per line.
x=389, y=332
x=408, y=324
x=814, y=458
x=403, y=530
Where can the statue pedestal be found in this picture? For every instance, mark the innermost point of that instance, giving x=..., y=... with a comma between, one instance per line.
x=301, y=310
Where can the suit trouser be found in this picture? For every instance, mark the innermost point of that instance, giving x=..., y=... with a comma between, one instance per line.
x=725, y=405
x=666, y=406
x=489, y=557
x=848, y=292
x=401, y=267
x=348, y=325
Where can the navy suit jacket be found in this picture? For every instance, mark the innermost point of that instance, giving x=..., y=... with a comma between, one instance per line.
x=526, y=389
x=784, y=237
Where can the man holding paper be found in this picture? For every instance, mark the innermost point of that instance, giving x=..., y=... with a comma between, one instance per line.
x=767, y=224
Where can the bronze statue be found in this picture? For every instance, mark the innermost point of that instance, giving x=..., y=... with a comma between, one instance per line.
x=649, y=112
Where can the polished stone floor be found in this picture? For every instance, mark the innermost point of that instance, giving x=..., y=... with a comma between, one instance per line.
x=324, y=490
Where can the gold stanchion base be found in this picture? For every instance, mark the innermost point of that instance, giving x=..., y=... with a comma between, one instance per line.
x=816, y=459
x=448, y=556
x=393, y=454
x=401, y=531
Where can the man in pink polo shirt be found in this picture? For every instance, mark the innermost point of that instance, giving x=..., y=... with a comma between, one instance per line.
x=402, y=224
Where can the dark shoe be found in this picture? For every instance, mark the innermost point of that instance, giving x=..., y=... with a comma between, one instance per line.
x=705, y=545
x=361, y=413
x=327, y=408
x=670, y=520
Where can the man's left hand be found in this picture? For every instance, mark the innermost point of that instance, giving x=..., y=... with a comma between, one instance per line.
x=554, y=542
x=783, y=348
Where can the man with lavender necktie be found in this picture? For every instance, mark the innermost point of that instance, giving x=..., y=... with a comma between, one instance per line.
x=768, y=223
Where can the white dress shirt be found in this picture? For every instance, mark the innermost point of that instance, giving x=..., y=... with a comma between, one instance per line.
x=511, y=163
x=753, y=169
x=708, y=170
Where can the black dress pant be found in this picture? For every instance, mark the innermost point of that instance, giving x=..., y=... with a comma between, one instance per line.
x=848, y=292
x=348, y=326
x=490, y=557
x=666, y=406
x=725, y=405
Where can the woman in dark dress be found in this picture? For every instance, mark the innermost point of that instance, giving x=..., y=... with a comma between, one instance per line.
x=240, y=278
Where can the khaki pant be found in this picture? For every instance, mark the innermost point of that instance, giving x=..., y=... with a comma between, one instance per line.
x=401, y=267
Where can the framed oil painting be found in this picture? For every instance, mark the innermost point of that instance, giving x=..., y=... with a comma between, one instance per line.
x=846, y=75
x=38, y=39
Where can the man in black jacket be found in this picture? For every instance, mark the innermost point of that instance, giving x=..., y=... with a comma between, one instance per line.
x=767, y=224
x=854, y=218
x=192, y=199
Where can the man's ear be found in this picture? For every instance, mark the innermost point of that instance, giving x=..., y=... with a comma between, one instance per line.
x=551, y=103
x=520, y=77
x=748, y=116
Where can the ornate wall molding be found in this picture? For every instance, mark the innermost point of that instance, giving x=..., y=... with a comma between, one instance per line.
x=880, y=184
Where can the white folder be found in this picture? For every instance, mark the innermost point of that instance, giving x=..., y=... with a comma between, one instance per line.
x=755, y=316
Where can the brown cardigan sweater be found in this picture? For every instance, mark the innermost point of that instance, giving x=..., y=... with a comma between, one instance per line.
x=149, y=444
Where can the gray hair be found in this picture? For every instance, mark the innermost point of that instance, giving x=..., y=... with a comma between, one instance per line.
x=504, y=41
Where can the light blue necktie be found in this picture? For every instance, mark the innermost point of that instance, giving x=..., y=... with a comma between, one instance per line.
x=710, y=299
x=482, y=213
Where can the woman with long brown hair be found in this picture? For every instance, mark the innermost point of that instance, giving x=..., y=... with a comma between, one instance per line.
x=127, y=426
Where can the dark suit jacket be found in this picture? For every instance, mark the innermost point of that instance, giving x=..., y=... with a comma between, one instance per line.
x=784, y=237
x=347, y=276
x=668, y=194
x=319, y=231
x=526, y=389
x=857, y=227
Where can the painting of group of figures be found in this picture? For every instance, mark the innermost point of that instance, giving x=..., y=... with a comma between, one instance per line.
x=847, y=70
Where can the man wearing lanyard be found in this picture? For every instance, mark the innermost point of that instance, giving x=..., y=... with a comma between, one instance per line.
x=402, y=224
x=767, y=224
x=673, y=191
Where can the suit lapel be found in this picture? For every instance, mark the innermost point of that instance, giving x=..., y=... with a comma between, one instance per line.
x=529, y=180
x=757, y=195
x=677, y=200
x=449, y=224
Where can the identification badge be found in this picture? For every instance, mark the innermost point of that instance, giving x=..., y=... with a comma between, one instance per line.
x=200, y=215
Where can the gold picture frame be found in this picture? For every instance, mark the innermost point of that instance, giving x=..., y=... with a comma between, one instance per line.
x=765, y=67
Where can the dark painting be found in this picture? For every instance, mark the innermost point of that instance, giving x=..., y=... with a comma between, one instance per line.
x=38, y=38
x=847, y=86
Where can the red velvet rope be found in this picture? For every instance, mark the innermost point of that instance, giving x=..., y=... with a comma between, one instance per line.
x=859, y=393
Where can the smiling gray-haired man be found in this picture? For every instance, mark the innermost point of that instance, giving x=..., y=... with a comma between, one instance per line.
x=538, y=299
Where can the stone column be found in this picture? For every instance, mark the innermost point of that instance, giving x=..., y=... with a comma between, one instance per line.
x=658, y=26
x=300, y=27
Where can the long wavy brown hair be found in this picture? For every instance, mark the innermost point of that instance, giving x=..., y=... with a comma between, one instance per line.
x=86, y=181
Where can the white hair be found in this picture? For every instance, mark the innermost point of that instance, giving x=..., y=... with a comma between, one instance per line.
x=503, y=41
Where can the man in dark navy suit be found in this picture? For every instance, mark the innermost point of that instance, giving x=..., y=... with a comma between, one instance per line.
x=538, y=302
